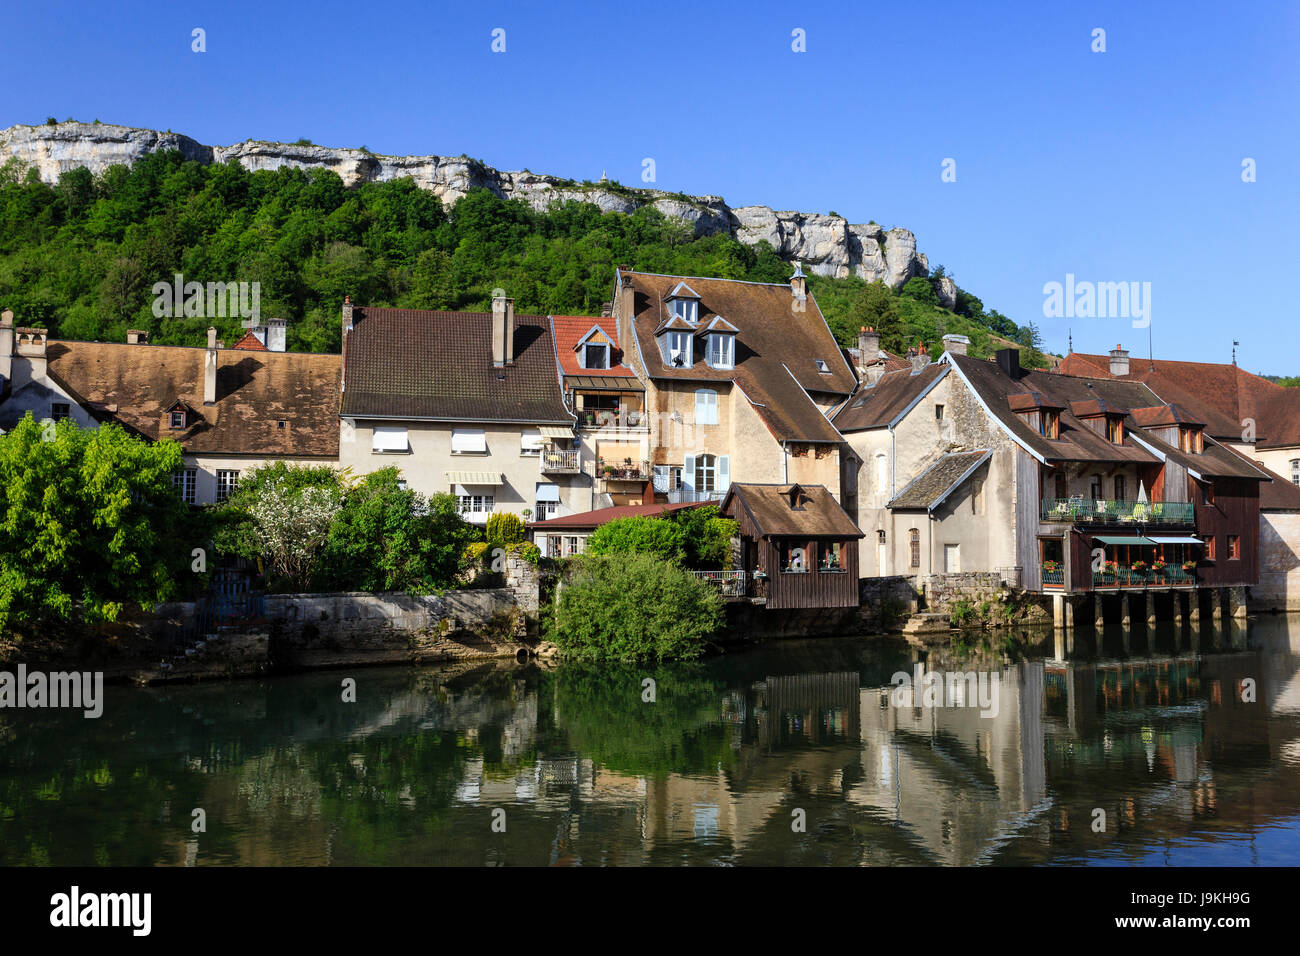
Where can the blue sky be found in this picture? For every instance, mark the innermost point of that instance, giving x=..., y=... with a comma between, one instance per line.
x=1117, y=166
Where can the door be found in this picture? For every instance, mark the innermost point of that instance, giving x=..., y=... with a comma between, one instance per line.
x=951, y=558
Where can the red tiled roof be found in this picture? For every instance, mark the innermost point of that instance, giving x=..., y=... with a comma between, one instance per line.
x=570, y=330
x=250, y=343
x=594, y=519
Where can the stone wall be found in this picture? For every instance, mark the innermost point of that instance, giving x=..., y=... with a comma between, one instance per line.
x=1279, y=565
x=942, y=591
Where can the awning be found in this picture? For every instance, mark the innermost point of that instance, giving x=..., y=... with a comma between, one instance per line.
x=389, y=440
x=1177, y=540
x=1119, y=539
x=603, y=383
x=556, y=431
x=532, y=439
x=548, y=491
x=474, y=477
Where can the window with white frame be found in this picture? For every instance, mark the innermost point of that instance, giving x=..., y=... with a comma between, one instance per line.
x=706, y=407
x=475, y=504
x=687, y=309
x=1295, y=471
x=679, y=349
x=468, y=441
x=186, y=482
x=531, y=442
x=177, y=419
x=722, y=350
x=882, y=474
x=226, y=481
x=570, y=546
x=595, y=356
x=389, y=441
x=546, y=509
x=706, y=472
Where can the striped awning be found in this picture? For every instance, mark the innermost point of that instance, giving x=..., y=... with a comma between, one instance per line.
x=1176, y=539
x=603, y=383
x=1121, y=539
x=474, y=477
x=556, y=431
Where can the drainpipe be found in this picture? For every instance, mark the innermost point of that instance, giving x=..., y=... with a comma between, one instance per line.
x=893, y=458
x=785, y=463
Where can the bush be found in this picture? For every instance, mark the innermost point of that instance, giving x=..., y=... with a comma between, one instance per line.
x=504, y=528
x=665, y=540
x=706, y=537
x=635, y=607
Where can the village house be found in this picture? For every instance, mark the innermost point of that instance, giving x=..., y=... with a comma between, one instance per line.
x=465, y=403
x=231, y=409
x=613, y=429
x=739, y=378
x=564, y=537
x=1248, y=413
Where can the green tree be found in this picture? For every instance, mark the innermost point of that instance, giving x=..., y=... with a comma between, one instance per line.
x=663, y=539
x=635, y=607
x=503, y=528
x=706, y=537
x=89, y=522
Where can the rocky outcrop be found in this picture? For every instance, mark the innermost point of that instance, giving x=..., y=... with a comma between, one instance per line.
x=827, y=245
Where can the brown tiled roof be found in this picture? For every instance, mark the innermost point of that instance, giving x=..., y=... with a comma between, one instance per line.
x=588, y=520
x=816, y=513
x=931, y=487
x=776, y=349
x=1280, y=494
x=134, y=385
x=410, y=364
x=1079, y=441
x=249, y=342
x=876, y=406
x=1217, y=393
x=569, y=331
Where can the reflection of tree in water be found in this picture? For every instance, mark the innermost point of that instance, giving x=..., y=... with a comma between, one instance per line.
x=600, y=713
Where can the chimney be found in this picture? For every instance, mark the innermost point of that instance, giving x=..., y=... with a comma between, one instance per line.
x=276, y=332
x=31, y=346
x=347, y=315
x=1009, y=362
x=955, y=344
x=137, y=337
x=210, y=369
x=919, y=356
x=1118, y=361
x=503, y=331
x=870, y=368
x=607, y=310
x=799, y=283
x=343, y=349
x=6, y=347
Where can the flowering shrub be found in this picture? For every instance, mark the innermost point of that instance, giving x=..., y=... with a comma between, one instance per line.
x=292, y=524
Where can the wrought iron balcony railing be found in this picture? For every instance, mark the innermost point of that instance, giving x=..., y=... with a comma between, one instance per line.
x=1079, y=510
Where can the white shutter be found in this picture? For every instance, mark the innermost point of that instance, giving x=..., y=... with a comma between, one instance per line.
x=531, y=440
x=661, y=478
x=706, y=407
x=389, y=441
x=468, y=441
x=688, y=474
x=723, y=481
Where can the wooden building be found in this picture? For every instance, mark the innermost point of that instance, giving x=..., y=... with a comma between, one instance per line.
x=798, y=547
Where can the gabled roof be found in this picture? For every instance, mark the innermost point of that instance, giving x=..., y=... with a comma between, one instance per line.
x=932, y=487
x=249, y=342
x=1030, y=400
x=771, y=335
x=135, y=385
x=1079, y=441
x=891, y=397
x=411, y=364
x=682, y=291
x=572, y=330
x=674, y=323
x=1161, y=416
x=718, y=324
x=816, y=512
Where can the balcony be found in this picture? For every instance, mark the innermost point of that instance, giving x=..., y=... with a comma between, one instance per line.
x=623, y=419
x=625, y=470
x=679, y=495
x=1080, y=510
x=728, y=583
x=1127, y=578
x=562, y=462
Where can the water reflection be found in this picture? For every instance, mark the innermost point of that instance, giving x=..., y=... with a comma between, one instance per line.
x=1188, y=740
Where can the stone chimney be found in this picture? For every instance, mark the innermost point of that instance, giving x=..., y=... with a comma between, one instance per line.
x=1009, y=362
x=277, y=331
x=1118, y=361
x=607, y=310
x=347, y=315
x=955, y=344
x=503, y=331
x=799, y=283
x=870, y=367
x=6, y=347
x=30, y=345
x=210, y=369
x=137, y=337
x=920, y=357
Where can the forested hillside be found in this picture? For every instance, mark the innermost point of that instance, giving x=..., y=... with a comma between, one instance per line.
x=80, y=257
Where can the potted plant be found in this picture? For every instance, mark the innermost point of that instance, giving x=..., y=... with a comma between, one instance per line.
x=1109, y=569
x=1189, y=566
x=1051, y=566
x=1158, y=565
x=1138, y=567
x=609, y=471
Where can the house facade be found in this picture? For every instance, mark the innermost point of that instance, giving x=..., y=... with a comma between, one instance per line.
x=463, y=403
x=230, y=409
x=739, y=378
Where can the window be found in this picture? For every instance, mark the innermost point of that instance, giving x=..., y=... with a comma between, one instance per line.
x=595, y=356
x=468, y=441
x=675, y=477
x=687, y=309
x=722, y=350
x=570, y=546
x=1191, y=440
x=389, y=441
x=679, y=349
x=401, y=483
x=1207, y=493
x=1114, y=429
x=1095, y=488
x=882, y=474
x=1234, y=547
x=706, y=472
x=531, y=442
x=832, y=556
x=546, y=509
x=1209, y=547
x=1049, y=423
x=553, y=546
x=914, y=548
x=281, y=423
x=475, y=504
x=1295, y=471
x=59, y=411
x=793, y=556
x=706, y=407
x=822, y=366
x=938, y=413
x=177, y=419
x=185, y=482
x=226, y=481
x=1121, y=486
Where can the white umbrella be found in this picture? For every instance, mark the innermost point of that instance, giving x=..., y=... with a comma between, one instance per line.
x=1142, y=491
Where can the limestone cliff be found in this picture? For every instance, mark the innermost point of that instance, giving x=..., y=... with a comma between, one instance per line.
x=827, y=245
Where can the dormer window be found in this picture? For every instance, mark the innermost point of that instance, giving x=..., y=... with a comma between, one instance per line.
x=822, y=366
x=1191, y=440
x=178, y=419
x=1115, y=429
x=595, y=356
x=1049, y=423
x=679, y=349
x=687, y=309
x=722, y=350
